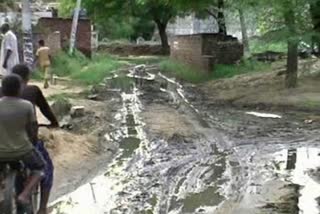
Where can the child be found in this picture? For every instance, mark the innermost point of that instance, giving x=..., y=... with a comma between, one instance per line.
x=18, y=132
x=44, y=57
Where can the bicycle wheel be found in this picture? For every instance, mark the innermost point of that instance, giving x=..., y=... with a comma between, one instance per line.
x=10, y=203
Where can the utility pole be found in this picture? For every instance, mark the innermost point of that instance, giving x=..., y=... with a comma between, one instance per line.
x=74, y=28
x=28, y=57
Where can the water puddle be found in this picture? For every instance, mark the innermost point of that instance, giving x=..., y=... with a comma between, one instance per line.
x=264, y=115
x=303, y=165
x=101, y=194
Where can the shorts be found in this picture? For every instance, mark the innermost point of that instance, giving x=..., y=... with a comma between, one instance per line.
x=47, y=180
x=47, y=72
x=34, y=162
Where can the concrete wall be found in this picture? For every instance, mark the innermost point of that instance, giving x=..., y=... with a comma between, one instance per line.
x=83, y=38
x=203, y=51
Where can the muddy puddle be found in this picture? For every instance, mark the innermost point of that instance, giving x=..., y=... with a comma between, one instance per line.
x=198, y=173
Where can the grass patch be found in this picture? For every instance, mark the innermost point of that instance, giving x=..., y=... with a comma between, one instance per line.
x=247, y=66
x=62, y=96
x=148, y=60
x=37, y=75
x=260, y=46
x=83, y=70
x=182, y=71
x=188, y=74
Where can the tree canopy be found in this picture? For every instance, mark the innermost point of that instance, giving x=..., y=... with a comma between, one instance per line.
x=157, y=11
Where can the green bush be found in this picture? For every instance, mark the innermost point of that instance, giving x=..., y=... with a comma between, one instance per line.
x=64, y=64
x=182, y=71
x=94, y=72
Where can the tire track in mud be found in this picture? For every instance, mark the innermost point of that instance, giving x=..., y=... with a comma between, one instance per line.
x=201, y=173
x=179, y=175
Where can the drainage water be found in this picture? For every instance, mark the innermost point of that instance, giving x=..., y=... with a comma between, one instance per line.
x=184, y=175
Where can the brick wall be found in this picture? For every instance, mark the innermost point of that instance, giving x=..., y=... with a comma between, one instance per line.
x=205, y=50
x=83, y=42
x=188, y=49
x=54, y=42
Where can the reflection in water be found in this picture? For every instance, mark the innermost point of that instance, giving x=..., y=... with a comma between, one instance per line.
x=300, y=162
x=307, y=159
x=291, y=159
x=264, y=115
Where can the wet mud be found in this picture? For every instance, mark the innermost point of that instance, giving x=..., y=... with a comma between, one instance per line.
x=179, y=153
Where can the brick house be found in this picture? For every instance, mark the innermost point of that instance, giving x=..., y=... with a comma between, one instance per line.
x=48, y=26
x=205, y=50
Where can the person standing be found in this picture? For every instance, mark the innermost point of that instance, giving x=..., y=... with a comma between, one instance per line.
x=9, y=56
x=44, y=57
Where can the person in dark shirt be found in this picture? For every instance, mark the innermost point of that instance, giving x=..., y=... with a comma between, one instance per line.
x=33, y=94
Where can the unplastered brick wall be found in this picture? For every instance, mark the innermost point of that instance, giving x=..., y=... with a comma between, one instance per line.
x=83, y=40
x=188, y=49
x=205, y=50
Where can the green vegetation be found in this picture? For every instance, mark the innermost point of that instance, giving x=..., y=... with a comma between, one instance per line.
x=37, y=75
x=259, y=46
x=183, y=72
x=148, y=60
x=247, y=66
x=83, y=70
x=188, y=74
x=62, y=96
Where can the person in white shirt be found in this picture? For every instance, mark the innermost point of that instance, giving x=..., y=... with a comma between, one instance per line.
x=9, y=56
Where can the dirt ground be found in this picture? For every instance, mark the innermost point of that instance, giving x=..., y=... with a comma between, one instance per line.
x=78, y=154
x=266, y=90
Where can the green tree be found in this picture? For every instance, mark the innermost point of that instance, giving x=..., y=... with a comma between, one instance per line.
x=159, y=12
x=66, y=7
x=315, y=16
x=287, y=20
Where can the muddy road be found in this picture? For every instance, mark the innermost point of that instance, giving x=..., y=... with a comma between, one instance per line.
x=180, y=153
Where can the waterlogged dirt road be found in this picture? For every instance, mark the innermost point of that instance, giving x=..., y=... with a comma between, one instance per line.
x=179, y=153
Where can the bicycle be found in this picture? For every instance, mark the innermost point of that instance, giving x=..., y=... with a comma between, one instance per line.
x=12, y=177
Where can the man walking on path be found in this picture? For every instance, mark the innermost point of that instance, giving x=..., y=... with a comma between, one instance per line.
x=9, y=56
x=44, y=57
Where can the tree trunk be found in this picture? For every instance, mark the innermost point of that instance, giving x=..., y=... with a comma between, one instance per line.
x=221, y=18
x=315, y=16
x=292, y=61
x=27, y=33
x=245, y=38
x=162, y=27
x=292, y=65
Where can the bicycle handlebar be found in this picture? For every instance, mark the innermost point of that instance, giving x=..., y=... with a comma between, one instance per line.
x=46, y=126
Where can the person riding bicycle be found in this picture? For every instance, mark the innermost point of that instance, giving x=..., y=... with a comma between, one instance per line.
x=18, y=133
x=34, y=94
